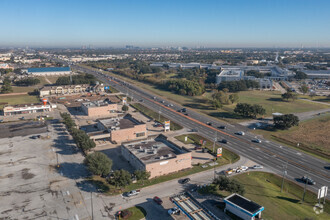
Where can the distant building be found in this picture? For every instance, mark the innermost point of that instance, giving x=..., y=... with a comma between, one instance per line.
x=231, y=74
x=243, y=207
x=158, y=156
x=70, y=89
x=317, y=74
x=120, y=129
x=5, y=66
x=99, y=108
x=27, y=108
x=49, y=71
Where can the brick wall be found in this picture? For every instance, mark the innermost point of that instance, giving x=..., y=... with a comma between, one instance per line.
x=128, y=134
x=100, y=111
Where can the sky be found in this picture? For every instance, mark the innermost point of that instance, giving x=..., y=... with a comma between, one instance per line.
x=154, y=23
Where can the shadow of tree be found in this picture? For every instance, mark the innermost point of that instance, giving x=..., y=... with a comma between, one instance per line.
x=73, y=170
x=225, y=115
x=65, y=145
x=276, y=99
x=92, y=186
x=288, y=199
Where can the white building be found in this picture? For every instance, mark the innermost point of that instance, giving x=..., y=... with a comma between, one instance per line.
x=49, y=71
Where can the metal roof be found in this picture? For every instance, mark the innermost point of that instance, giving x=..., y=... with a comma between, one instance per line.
x=48, y=69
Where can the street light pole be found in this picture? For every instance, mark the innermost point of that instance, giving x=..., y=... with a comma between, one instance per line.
x=284, y=173
x=92, y=205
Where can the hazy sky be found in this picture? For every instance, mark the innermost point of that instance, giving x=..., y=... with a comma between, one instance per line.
x=219, y=23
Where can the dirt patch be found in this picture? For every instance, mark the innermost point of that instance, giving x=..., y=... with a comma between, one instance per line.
x=26, y=175
x=312, y=134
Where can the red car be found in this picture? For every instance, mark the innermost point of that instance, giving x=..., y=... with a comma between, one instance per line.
x=158, y=200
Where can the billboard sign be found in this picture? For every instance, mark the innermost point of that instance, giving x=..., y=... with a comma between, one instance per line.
x=124, y=100
x=322, y=192
x=219, y=152
x=167, y=125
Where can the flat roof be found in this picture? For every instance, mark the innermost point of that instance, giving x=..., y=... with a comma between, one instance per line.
x=244, y=203
x=154, y=150
x=232, y=72
x=48, y=69
x=120, y=122
x=95, y=104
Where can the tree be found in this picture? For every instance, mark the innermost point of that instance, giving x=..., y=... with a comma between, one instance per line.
x=124, y=108
x=233, y=186
x=285, y=121
x=233, y=98
x=300, y=75
x=98, y=163
x=27, y=82
x=216, y=104
x=6, y=87
x=304, y=89
x=121, y=178
x=142, y=175
x=247, y=110
x=289, y=95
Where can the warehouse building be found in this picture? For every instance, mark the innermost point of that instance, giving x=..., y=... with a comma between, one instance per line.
x=243, y=207
x=120, y=129
x=49, y=71
x=159, y=156
x=69, y=89
x=27, y=108
x=100, y=109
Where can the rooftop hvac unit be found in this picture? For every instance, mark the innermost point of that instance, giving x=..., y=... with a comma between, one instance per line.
x=155, y=146
x=169, y=155
x=161, y=157
x=145, y=150
x=154, y=151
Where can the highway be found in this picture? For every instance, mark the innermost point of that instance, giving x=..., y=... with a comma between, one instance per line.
x=269, y=154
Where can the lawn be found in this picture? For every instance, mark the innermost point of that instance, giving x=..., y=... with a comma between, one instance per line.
x=154, y=115
x=196, y=139
x=137, y=213
x=316, y=141
x=20, y=89
x=18, y=99
x=265, y=189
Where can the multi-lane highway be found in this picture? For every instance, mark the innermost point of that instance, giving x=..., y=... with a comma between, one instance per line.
x=276, y=157
x=281, y=159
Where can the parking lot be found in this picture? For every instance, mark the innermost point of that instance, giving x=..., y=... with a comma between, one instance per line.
x=31, y=185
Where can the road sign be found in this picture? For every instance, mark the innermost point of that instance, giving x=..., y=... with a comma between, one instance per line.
x=167, y=125
x=124, y=100
x=322, y=192
x=219, y=152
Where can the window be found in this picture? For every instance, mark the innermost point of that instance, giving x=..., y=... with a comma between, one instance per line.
x=140, y=134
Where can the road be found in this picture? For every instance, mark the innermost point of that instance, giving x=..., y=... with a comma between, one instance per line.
x=276, y=157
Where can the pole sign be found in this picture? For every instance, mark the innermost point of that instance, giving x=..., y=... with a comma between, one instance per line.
x=322, y=192
x=167, y=125
x=124, y=100
x=219, y=152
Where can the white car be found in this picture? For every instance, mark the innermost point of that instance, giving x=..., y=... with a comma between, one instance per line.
x=257, y=166
x=244, y=168
x=173, y=211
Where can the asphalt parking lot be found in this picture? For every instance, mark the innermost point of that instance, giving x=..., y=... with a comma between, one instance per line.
x=31, y=185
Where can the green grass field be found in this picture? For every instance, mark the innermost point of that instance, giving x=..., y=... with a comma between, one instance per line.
x=137, y=213
x=265, y=189
x=18, y=99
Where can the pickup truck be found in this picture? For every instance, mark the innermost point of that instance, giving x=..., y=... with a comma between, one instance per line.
x=132, y=193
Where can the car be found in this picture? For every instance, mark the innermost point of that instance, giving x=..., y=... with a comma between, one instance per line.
x=173, y=211
x=244, y=168
x=257, y=166
x=34, y=137
x=158, y=200
x=224, y=141
x=132, y=193
x=222, y=127
x=170, y=105
x=240, y=133
x=186, y=180
x=308, y=180
x=198, y=148
x=184, y=110
x=209, y=123
x=256, y=141
x=186, y=114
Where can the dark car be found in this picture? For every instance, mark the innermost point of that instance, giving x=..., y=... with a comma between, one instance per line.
x=222, y=127
x=184, y=110
x=209, y=123
x=224, y=141
x=186, y=114
x=186, y=180
x=308, y=180
x=158, y=200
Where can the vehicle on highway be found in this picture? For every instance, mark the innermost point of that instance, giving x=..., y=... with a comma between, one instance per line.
x=155, y=97
x=186, y=114
x=240, y=133
x=170, y=105
x=158, y=200
x=22, y=118
x=184, y=181
x=209, y=123
x=222, y=127
x=183, y=109
x=256, y=141
x=173, y=211
x=132, y=193
x=257, y=166
x=308, y=180
x=224, y=141
x=141, y=100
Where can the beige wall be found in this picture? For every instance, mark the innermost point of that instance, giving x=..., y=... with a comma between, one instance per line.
x=163, y=167
x=128, y=134
x=100, y=111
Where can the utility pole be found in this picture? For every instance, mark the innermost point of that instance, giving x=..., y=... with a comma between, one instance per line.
x=304, y=190
x=284, y=173
x=92, y=205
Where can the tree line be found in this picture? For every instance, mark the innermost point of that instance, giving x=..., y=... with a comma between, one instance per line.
x=238, y=85
x=76, y=79
x=184, y=87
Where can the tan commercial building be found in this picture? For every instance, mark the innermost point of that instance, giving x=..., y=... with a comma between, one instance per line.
x=99, y=108
x=120, y=129
x=159, y=156
x=27, y=108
